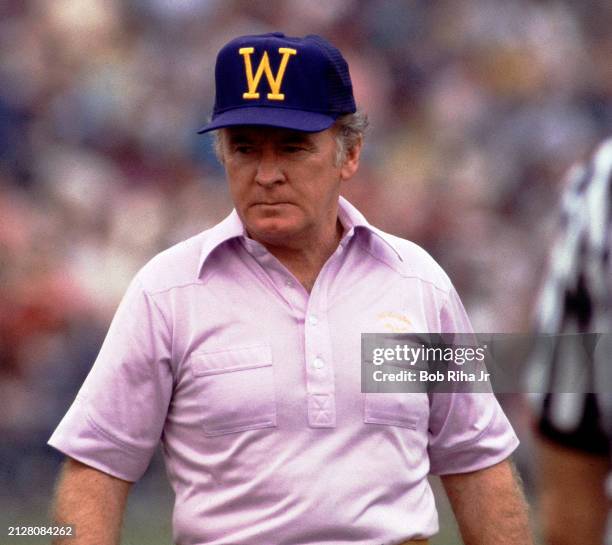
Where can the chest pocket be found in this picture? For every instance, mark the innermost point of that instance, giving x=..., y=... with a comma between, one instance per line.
x=406, y=410
x=235, y=389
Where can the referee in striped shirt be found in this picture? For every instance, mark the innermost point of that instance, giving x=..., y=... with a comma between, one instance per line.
x=575, y=425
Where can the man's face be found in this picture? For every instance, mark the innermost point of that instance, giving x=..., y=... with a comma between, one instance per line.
x=285, y=183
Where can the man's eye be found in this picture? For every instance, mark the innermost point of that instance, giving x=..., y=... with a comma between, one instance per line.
x=293, y=149
x=244, y=149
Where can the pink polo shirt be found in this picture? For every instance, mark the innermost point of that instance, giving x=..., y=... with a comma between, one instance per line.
x=253, y=387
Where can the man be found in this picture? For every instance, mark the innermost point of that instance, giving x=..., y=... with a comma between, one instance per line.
x=575, y=419
x=240, y=349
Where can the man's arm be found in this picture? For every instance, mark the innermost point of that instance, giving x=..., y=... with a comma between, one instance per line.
x=91, y=501
x=489, y=506
x=572, y=497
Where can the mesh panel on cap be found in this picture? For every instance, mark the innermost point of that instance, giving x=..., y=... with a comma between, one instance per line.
x=339, y=80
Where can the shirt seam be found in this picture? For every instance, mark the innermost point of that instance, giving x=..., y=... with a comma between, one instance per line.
x=367, y=250
x=153, y=293
x=446, y=292
x=117, y=442
x=151, y=297
x=399, y=273
x=469, y=443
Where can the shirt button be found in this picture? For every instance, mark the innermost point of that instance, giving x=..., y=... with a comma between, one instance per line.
x=288, y=282
x=318, y=363
x=313, y=320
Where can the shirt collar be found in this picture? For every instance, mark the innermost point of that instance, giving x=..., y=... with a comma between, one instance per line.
x=351, y=218
x=229, y=228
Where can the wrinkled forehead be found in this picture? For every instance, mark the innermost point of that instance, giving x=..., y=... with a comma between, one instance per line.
x=257, y=133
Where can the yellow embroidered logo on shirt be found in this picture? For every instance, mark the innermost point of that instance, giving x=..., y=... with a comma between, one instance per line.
x=274, y=82
x=395, y=322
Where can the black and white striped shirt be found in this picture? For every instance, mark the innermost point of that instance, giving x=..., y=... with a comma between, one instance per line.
x=577, y=298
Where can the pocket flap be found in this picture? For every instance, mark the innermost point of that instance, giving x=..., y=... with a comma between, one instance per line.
x=233, y=359
x=406, y=410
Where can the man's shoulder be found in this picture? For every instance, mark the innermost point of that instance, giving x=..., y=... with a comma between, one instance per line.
x=174, y=267
x=416, y=262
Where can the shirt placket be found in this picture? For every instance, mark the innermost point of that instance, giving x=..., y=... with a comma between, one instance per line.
x=318, y=356
x=312, y=312
x=320, y=384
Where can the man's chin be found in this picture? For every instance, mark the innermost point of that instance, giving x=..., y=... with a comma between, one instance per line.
x=273, y=232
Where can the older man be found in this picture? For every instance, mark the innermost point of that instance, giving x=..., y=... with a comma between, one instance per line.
x=240, y=349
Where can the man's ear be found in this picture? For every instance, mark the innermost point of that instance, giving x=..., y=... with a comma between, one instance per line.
x=219, y=145
x=351, y=161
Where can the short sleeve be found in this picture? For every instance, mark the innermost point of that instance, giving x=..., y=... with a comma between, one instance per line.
x=117, y=418
x=467, y=431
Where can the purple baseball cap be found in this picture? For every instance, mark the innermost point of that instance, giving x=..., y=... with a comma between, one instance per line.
x=279, y=81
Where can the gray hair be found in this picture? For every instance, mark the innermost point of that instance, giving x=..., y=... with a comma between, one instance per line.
x=350, y=129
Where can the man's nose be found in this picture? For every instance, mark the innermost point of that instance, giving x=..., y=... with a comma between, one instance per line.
x=269, y=169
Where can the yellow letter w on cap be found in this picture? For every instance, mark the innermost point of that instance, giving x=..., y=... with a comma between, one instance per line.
x=264, y=67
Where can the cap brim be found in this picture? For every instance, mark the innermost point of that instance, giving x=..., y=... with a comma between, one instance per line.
x=284, y=118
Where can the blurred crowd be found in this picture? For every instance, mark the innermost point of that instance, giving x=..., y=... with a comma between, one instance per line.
x=477, y=107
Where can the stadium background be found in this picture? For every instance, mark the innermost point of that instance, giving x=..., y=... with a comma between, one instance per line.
x=476, y=107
